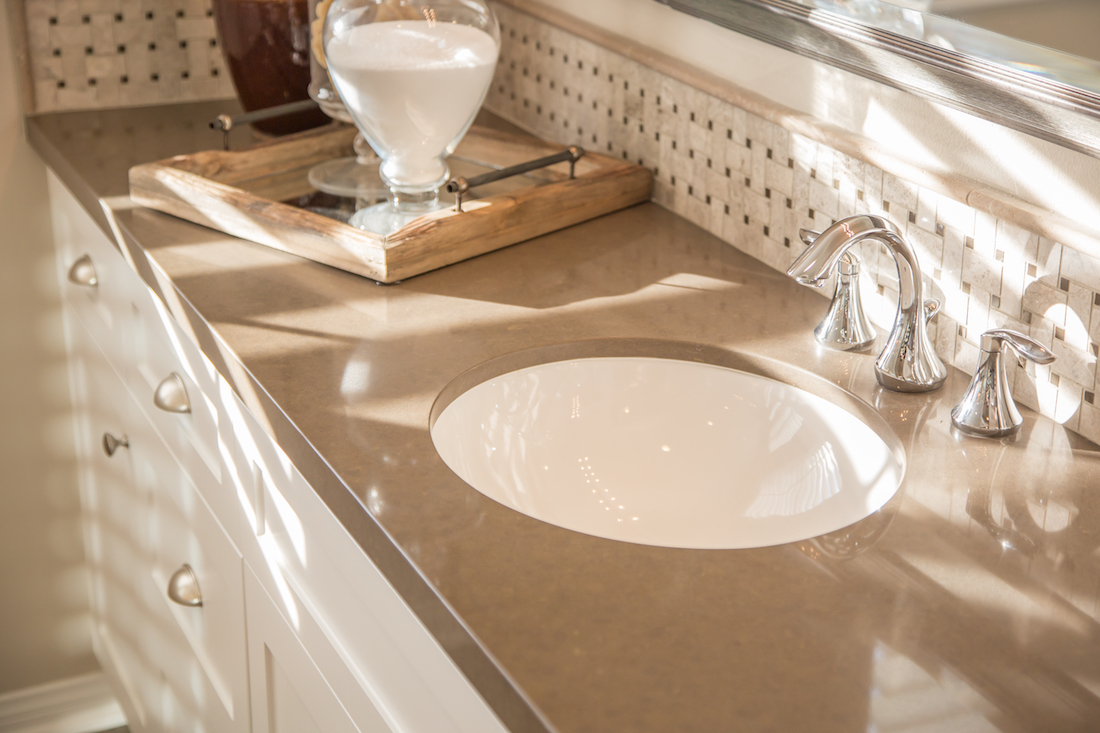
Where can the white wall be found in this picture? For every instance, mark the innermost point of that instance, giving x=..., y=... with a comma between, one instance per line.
x=44, y=625
x=932, y=136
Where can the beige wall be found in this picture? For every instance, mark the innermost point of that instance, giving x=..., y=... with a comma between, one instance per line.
x=44, y=625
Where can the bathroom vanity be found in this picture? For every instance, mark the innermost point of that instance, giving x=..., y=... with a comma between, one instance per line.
x=351, y=582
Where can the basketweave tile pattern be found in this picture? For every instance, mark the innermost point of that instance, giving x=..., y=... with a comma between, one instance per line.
x=94, y=54
x=754, y=184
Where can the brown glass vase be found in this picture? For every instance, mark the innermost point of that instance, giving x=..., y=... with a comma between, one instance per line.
x=266, y=47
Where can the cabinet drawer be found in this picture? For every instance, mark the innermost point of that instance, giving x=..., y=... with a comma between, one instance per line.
x=103, y=307
x=169, y=373
x=191, y=545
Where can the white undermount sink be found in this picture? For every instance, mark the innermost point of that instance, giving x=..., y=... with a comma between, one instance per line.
x=665, y=452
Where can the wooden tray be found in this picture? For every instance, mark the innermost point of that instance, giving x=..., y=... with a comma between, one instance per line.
x=251, y=193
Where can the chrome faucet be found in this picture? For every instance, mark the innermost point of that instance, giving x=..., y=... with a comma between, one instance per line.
x=987, y=409
x=908, y=363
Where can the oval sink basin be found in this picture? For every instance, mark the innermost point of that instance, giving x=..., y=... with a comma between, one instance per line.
x=665, y=452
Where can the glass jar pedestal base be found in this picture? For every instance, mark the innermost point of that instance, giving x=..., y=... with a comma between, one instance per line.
x=350, y=178
x=401, y=209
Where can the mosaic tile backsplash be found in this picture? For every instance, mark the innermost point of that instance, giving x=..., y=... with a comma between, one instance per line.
x=754, y=184
x=91, y=54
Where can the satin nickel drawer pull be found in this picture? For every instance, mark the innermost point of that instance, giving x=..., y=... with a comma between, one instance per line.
x=183, y=587
x=171, y=395
x=112, y=444
x=83, y=273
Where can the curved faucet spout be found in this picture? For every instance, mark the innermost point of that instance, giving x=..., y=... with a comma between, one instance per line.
x=908, y=363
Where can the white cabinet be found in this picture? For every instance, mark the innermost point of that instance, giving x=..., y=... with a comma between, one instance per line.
x=298, y=630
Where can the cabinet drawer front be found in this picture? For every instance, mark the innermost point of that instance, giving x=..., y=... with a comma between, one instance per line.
x=161, y=354
x=103, y=307
x=186, y=533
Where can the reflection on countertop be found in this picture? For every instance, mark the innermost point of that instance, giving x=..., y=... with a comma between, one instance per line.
x=970, y=601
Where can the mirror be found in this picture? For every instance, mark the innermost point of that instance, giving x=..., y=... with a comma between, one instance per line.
x=1021, y=63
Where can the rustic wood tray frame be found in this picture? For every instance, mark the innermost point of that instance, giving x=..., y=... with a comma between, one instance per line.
x=240, y=193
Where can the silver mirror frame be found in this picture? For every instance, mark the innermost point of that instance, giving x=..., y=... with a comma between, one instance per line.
x=1046, y=108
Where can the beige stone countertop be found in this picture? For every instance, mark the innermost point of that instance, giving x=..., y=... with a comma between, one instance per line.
x=969, y=603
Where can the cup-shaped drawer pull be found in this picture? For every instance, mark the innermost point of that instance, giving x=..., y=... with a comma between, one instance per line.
x=83, y=273
x=171, y=395
x=183, y=587
x=112, y=444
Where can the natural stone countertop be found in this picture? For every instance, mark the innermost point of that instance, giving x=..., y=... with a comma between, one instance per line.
x=968, y=603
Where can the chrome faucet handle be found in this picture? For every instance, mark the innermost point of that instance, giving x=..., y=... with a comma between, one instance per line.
x=987, y=409
x=844, y=326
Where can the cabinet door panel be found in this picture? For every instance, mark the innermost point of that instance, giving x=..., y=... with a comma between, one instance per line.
x=290, y=693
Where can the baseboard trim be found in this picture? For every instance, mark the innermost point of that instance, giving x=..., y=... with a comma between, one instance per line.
x=83, y=704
